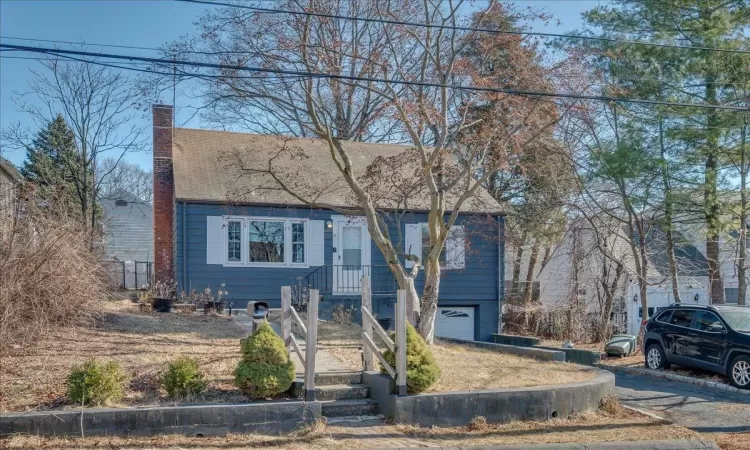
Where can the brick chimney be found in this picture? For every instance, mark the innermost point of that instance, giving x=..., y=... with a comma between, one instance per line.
x=164, y=204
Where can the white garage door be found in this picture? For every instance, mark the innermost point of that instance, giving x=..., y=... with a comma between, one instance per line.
x=456, y=323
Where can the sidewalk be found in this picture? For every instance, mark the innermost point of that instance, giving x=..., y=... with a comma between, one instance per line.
x=632, y=445
x=324, y=361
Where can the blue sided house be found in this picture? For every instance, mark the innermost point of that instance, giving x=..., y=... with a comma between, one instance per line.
x=223, y=213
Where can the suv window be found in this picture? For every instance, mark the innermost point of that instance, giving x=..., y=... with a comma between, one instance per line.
x=682, y=317
x=664, y=317
x=737, y=318
x=708, y=321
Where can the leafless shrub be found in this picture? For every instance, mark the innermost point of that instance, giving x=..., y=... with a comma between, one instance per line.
x=477, y=423
x=555, y=322
x=48, y=276
x=343, y=315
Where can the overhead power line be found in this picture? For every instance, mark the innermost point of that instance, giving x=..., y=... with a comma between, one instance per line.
x=459, y=28
x=307, y=74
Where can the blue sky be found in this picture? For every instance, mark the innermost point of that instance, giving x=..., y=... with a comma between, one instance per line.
x=145, y=23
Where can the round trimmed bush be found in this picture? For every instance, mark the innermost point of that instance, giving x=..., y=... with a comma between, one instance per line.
x=265, y=369
x=95, y=383
x=183, y=378
x=422, y=370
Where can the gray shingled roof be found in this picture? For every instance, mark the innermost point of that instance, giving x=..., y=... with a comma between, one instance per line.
x=212, y=166
x=7, y=167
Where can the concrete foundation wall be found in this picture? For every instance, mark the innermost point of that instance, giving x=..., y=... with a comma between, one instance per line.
x=261, y=417
x=497, y=406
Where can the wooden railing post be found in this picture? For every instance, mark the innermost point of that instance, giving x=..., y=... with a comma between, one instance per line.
x=311, y=344
x=401, y=342
x=286, y=316
x=368, y=356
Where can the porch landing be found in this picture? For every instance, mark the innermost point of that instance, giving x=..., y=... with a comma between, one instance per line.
x=325, y=362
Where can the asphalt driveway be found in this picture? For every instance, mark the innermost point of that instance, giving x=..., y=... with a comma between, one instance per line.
x=699, y=408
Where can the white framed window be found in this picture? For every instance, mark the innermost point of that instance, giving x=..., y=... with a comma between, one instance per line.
x=234, y=241
x=265, y=241
x=417, y=243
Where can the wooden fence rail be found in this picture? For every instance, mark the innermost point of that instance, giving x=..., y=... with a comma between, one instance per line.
x=370, y=327
x=288, y=313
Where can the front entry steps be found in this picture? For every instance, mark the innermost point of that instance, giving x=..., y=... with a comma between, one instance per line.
x=342, y=395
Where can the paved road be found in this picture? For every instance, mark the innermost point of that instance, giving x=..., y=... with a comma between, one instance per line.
x=699, y=408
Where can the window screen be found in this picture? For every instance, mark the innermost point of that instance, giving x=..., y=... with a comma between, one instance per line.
x=352, y=252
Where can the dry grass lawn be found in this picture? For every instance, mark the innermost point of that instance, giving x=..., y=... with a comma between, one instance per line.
x=618, y=425
x=463, y=367
x=35, y=377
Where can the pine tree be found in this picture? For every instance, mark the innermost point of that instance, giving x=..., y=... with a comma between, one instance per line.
x=685, y=75
x=51, y=164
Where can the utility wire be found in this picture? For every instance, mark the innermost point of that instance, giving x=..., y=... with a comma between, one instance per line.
x=508, y=91
x=473, y=29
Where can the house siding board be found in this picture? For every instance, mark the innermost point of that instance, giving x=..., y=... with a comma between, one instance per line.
x=129, y=231
x=476, y=285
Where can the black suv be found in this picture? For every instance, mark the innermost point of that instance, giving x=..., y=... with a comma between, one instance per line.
x=715, y=338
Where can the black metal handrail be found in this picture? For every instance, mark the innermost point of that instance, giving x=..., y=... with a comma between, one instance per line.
x=344, y=279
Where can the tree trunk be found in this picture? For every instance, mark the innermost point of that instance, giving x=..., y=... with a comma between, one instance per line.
x=545, y=258
x=426, y=326
x=517, y=267
x=609, y=297
x=712, y=212
x=742, y=239
x=529, y=285
x=668, y=212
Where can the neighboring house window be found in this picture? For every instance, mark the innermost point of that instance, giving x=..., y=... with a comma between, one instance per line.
x=265, y=241
x=426, y=245
x=234, y=241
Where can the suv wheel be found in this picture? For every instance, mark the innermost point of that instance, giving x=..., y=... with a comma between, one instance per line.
x=739, y=372
x=655, y=358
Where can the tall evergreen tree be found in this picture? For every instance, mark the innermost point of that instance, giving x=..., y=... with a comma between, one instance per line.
x=51, y=160
x=687, y=75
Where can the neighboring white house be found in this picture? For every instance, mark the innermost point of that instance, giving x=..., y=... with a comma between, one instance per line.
x=9, y=181
x=129, y=240
x=577, y=264
x=695, y=233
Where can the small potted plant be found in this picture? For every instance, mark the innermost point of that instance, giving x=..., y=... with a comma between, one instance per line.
x=217, y=304
x=162, y=295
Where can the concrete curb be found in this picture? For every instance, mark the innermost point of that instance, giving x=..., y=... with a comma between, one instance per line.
x=625, y=445
x=675, y=377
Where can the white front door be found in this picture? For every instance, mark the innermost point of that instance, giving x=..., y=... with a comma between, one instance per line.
x=351, y=253
x=455, y=323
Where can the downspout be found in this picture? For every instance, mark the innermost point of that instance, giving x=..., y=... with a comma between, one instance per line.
x=500, y=271
x=184, y=248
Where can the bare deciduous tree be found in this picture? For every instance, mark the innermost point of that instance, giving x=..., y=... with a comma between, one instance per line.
x=97, y=104
x=380, y=82
x=124, y=176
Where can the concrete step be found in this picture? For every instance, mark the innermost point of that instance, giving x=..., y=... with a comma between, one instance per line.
x=341, y=392
x=330, y=378
x=349, y=408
